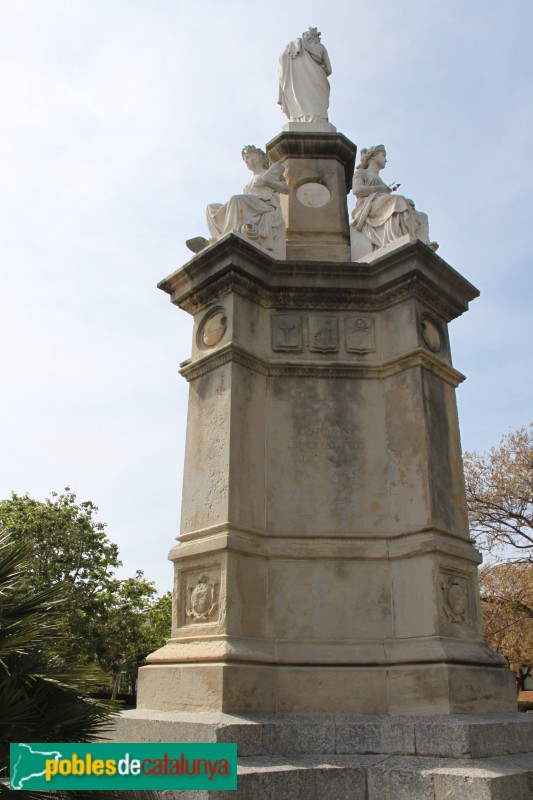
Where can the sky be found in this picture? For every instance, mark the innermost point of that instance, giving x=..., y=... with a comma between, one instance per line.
x=121, y=120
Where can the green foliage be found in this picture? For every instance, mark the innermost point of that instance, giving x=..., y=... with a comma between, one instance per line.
x=65, y=544
x=65, y=541
x=123, y=635
x=43, y=697
x=107, y=622
x=40, y=699
x=160, y=620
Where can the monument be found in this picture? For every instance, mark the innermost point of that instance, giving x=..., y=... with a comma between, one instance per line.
x=326, y=607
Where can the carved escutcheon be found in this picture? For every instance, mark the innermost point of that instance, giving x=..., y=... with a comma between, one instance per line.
x=287, y=332
x=323, y=333
x=202, y=599
x=455, y=597
x=360, y=334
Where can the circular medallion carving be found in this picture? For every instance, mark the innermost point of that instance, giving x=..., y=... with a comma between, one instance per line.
x=313, y=195
x=432, y=333
x=212, y=328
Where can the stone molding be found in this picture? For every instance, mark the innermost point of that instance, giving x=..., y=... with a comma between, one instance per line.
x=300, y=144
x=232, y=353
x=383, y=652
x=281, y=544
x=233, y=265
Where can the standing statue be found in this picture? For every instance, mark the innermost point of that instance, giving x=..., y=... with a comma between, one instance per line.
x=255, y=214
x=381, y=216
x=304, y=67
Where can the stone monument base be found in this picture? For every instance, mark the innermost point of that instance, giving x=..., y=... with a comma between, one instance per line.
x=401, y=689
x=342, y=756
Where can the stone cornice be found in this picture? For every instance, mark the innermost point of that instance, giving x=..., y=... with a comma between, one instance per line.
x=293, y=144
x=233, y=265
x=231, y=353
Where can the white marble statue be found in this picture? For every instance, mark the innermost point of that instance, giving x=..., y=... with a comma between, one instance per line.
x=304, y=67
x=380, y=215
x=256, y=214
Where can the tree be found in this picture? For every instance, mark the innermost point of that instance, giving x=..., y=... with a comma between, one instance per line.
x=106, y=620
x=132, y=626
x=159, y=621
x=499, y=493
x=42, y=700
x=507, y=606
x=66, y=544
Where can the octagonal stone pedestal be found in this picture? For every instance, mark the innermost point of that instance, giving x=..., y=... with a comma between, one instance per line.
x=324, y=563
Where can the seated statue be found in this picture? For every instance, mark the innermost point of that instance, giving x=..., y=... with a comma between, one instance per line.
x=256, y=214
x=380, y=216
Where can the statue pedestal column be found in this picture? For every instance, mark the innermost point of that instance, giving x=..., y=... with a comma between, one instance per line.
x=324, y=563
x=319, y=167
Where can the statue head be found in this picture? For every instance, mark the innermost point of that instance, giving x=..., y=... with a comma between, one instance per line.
x=367, y=154
x=313, y=34
x=251, y=149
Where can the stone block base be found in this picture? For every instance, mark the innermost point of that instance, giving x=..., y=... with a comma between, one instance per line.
x=402, y=689
x=347, y=757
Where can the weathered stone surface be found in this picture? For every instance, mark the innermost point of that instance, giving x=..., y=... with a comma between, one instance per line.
x=376, y=778
x=407, y=778
x=294, y=778
x=324, y=563
x=474, y=735
x=459, y=736
x=340, y=757
x=375, y=735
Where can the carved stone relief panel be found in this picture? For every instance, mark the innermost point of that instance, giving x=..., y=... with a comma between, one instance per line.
x=359, y=333
x=456, y=603
x=199, y=596
x=287, y=333
x=320, y=333
x=212, y=328
x=323, y=333
x=432, y=334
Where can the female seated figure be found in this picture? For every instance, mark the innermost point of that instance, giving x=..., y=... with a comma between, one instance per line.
x=381, y=216
x=255, y=214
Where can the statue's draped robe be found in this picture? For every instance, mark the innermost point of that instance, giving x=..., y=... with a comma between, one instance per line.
x=256, y=214
x=384, y=217
x=303, y=83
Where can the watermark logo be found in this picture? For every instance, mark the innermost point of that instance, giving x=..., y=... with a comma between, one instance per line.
x=165, y=765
